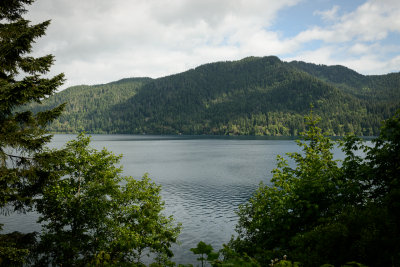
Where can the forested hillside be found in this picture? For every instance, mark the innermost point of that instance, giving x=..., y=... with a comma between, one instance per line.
x=252, y=96
x=88, y=106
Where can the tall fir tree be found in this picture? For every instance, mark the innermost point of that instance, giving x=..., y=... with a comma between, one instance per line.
x=22, y=133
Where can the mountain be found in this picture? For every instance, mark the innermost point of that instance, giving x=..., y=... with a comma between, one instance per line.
x=88, y=106
x=252, y=96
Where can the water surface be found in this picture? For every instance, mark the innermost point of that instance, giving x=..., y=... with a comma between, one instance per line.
x=203, y=179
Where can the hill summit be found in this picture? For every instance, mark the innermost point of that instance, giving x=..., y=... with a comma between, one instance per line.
x=252, y=96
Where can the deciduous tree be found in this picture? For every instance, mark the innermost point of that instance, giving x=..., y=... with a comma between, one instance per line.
x=295, y=202
x=94, y=215
x=319, y=212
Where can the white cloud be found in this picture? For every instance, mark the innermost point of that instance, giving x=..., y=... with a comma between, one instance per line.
x=360, y=48
x=366, y=60
x=98, y=41
x=322, y=55
x=328, y=15
x=371, y=21
x=355, y=39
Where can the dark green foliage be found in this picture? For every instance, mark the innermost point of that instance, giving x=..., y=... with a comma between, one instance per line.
x=321, y=213
x=15, y=246
x=252, y=96
x=88, y=107
x=22, y=133
x=232, y=258
x=93, y=215
x=90, y=219
x=204, y=250
x=374, y=220
x=295, y=202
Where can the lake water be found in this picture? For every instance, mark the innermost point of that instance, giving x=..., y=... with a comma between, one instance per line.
x=203, y=179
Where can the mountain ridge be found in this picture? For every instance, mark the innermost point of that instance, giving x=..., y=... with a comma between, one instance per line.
x=251, y=96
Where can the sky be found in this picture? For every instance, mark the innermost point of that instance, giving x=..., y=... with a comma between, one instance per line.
x=100, y=41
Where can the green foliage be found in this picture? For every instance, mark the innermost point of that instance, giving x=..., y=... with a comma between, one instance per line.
x=88, y=107
x=252, y=96
x=204, y=250
x=162, y=260
x=232, y=258
x=284, y=263
x=374, y=218
x=22, y=133
x=298, y=199
x=353, y=264
x=14, y=247
x=319, y=212
x=93, y=215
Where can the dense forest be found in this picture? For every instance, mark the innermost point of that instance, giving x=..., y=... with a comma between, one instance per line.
x=316, y=212
x=252, y=96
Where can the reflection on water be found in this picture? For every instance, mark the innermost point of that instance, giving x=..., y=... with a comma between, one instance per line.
x=203, y=179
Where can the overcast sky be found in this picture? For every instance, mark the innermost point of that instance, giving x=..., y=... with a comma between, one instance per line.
x=99, y=41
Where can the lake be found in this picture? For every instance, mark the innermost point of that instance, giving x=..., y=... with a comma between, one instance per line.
x=204, y=179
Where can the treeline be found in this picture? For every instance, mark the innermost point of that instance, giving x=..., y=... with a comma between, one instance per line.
x=253, y=96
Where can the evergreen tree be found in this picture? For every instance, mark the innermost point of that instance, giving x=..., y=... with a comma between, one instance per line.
x=22, y=133
x=253, y=96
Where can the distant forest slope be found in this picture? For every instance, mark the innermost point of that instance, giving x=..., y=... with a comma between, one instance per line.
x=252, y=96
x=88, y=106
